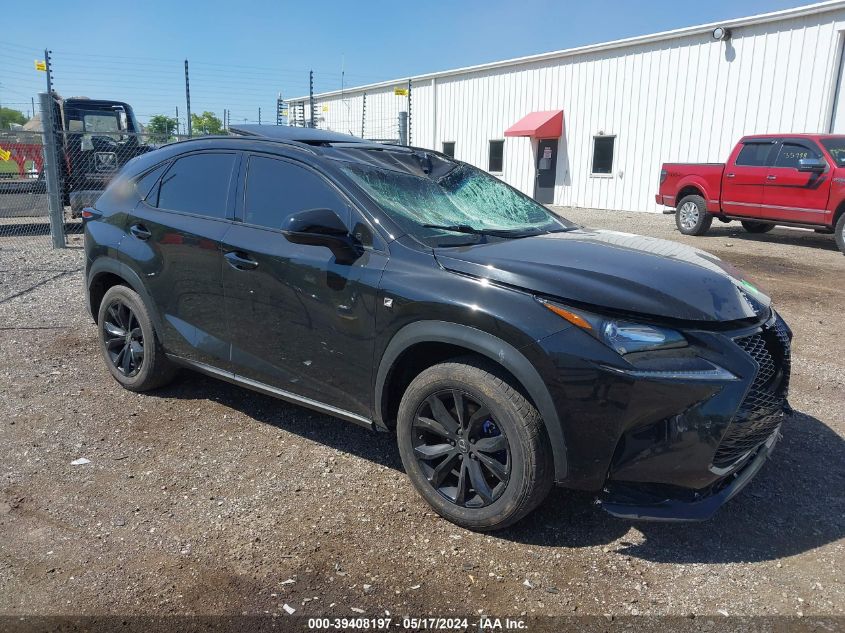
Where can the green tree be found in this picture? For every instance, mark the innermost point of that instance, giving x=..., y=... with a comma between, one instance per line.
x=206, y=123
x=161, y=128
x=9, y=116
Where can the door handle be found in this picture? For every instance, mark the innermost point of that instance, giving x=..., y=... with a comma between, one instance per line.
x=140, y=231
x=771, y=177
x=730, y=175
x=240, y=261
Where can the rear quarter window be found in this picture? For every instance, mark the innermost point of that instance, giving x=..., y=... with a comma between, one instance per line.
x=145, y=185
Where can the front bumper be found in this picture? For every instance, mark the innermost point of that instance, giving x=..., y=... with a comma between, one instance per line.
x=670, y=447
x=640, y=504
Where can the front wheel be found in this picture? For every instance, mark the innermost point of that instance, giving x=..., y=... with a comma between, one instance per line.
x=757, y=227
x=692, y=217
x=473, y=445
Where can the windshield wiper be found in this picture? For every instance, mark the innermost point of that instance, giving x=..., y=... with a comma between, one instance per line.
x=466, y=228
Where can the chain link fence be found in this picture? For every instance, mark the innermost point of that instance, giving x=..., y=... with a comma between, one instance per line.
x=46, y=179
x=24, y=213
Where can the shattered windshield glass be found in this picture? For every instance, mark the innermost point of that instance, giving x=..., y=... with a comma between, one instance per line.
x=463, y=200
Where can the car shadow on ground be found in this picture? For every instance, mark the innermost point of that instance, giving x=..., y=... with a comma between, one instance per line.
x=780, y=236
x=793, y=505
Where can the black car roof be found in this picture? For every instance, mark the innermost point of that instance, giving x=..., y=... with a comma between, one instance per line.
x=316, y=142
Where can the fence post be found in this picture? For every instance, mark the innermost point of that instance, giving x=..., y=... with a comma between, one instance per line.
x=410, y=111
x=403, y=128
x=363, y=114
x=51, y=171
x=188, y=99
x=311, y=97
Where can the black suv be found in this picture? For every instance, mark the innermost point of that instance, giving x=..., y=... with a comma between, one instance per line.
x=402, y=290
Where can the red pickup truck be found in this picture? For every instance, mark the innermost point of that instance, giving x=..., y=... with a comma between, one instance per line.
x=787, y=179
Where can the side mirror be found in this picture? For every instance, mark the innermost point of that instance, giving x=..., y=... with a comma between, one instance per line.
x=323, y=227
x=811, y=164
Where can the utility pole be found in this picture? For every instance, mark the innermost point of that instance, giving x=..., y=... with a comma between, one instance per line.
x=188, y=97
x=311, y=96
x=33, y=105
x=177, y=120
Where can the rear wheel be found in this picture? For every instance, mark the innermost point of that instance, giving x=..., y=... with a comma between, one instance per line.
x=692, y=217
x=473, y=445
x=128, y=342
x=840, y=233
x=757, y=227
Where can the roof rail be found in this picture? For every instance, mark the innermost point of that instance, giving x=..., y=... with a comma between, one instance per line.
x=306, y=135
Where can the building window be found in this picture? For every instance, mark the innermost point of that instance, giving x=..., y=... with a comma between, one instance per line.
x=449, y=149
x=603, y=155
x=496, y=158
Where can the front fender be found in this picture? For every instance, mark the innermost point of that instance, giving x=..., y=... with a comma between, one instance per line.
x=487, y=345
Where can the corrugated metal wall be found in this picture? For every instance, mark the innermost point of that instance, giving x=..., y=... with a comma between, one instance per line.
x=683, y=99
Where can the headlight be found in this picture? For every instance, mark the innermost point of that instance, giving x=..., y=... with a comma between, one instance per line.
x=625, y=337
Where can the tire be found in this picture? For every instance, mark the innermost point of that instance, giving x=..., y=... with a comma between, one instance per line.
x=525, y=466
x=840, y=233
x=692, y=217
x=136, y=361
x=757, y=227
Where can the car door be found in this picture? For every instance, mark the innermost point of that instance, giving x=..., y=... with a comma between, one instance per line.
x=174, y=244
x=792, y=195
x=745, y=177
x=300, y=321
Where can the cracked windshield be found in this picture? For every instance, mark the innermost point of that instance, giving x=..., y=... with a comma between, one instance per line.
x=463, y=200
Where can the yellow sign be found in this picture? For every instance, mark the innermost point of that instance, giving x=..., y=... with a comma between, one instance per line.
x=39, y=65
x=325, y=108
x=5, y=154
x=400, y=92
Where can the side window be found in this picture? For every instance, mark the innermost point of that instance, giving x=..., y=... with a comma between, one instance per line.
x=603, y=154
x=198, y=183
x=791, y=153
x=754, y=154
x=275, y=189
x=145, y=184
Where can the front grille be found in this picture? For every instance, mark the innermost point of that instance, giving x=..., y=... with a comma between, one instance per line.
x=762, y=410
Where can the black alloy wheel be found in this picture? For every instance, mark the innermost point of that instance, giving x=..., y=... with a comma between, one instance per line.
x=124, y=338
x=463, y=453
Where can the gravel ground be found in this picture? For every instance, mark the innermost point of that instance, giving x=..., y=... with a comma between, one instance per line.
x=204, y=498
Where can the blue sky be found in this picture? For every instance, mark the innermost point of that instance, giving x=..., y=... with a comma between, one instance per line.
x=243, y=54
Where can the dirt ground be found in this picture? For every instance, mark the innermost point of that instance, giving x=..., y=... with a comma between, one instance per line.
x=204, y=498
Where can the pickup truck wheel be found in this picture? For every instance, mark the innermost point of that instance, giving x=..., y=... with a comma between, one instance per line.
x=840, y=233
x=473, y=446
x=691, y=216
x=757, y=227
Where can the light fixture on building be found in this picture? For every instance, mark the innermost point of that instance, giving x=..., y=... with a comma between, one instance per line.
x=721, y=33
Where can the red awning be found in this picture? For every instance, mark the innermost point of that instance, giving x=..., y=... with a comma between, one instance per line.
x=546, y=124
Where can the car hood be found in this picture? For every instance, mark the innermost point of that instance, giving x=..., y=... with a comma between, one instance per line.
x=618, y=271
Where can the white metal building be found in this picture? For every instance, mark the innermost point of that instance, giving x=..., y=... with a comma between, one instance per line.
x=627, y=106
